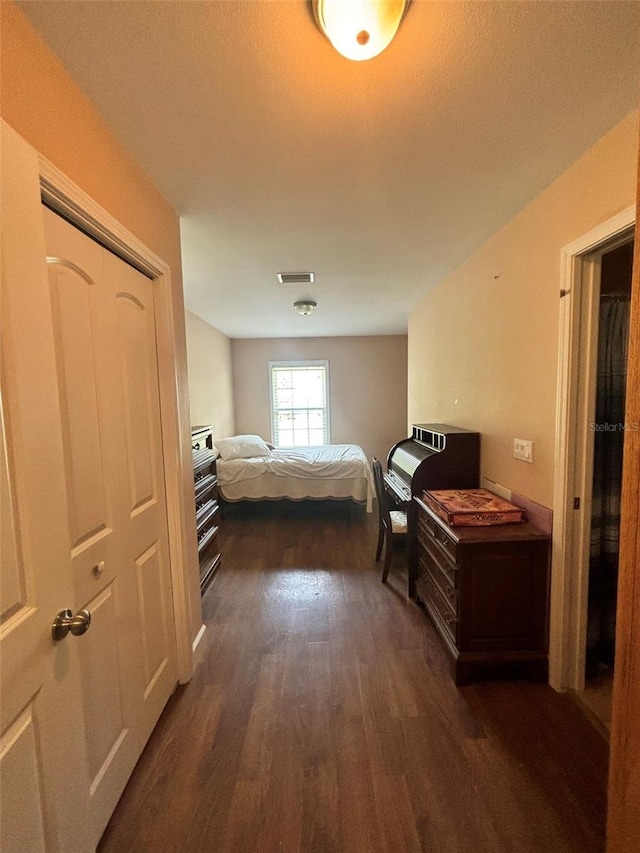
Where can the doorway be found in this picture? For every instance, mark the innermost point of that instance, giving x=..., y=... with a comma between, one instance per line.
x=608, y=445
x=579, y=323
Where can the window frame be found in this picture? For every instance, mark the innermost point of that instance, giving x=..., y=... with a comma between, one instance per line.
x=292, y=363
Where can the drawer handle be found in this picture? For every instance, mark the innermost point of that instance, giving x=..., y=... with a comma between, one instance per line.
x=448, y=618
x=445, y=539
x=450, y=591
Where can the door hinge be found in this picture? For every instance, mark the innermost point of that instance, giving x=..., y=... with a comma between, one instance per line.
x=576, y=503
x=564, y=293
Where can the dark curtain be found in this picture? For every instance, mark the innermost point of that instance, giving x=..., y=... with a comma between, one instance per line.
x=613, y=339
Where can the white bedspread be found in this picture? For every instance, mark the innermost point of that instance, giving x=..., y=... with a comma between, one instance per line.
x=330, y=471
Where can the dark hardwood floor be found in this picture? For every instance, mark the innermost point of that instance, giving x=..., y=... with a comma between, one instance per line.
x=324, y=720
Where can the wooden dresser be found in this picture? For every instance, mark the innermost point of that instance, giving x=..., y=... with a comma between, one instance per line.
x=487, y=591
x=207, y=502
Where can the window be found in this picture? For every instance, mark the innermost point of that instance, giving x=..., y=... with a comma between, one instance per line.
x=299, y=403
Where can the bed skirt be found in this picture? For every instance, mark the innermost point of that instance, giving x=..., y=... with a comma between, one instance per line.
x=272, y=487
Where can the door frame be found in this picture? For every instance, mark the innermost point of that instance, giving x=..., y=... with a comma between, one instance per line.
x=577, y=359
x=66, y=198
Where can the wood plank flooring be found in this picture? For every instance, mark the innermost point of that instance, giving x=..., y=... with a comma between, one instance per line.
x=324, y=720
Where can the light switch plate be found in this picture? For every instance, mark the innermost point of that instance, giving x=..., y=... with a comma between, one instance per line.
x=523, y=449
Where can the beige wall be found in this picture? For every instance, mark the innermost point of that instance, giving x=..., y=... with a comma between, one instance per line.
x=43, y=104
x=367, y=378
x=210, y=381
x=483, y=345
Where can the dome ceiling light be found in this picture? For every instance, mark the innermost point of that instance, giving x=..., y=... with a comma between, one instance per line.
x=359, y=29
x=305, y=306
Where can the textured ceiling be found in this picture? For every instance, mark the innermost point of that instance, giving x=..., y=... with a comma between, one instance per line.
x=382, y=176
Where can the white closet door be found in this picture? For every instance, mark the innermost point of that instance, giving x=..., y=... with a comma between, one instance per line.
x=44, y=781
x=104, y=330
x=83, y=523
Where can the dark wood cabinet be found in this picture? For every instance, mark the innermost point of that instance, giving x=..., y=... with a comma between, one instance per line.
x=487, y=591
x=207, y=502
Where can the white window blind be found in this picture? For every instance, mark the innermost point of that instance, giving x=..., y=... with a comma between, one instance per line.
x=299, y=403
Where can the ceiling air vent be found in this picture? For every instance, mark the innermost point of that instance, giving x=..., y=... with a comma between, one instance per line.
x=295, y=277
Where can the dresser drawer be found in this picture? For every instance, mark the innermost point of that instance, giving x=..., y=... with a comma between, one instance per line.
x=440, y=608
x=205, y=516
x=206, y=490
x=204, y=484
x=428, y=568
x=206, y=538
x=204, y=462
x=430, y=530
x=441, y=560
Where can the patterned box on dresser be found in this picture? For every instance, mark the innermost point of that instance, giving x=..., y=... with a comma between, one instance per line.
x=472, y=507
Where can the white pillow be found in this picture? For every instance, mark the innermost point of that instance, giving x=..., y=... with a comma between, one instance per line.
x=242, y=447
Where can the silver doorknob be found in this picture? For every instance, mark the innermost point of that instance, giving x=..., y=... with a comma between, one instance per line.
x=66, y=622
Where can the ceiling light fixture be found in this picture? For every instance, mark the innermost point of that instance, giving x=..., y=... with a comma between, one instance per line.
x=305, y=306
x=359, y=29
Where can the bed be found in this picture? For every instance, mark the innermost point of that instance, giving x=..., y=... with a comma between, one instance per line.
x=250, y=470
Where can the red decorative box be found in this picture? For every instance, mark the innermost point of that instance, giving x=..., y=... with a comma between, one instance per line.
x=472, y=507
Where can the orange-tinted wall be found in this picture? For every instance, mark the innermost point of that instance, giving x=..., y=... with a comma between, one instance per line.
x=483, y=345
x=45, y=106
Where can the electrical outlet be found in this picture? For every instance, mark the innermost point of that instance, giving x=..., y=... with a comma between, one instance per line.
x=523, y=449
